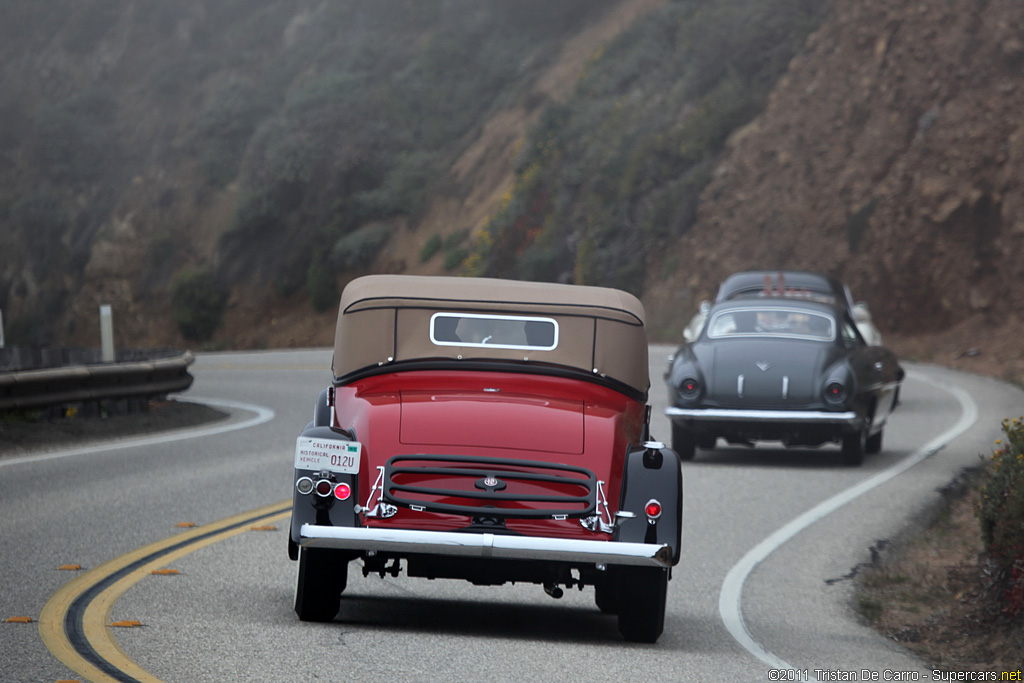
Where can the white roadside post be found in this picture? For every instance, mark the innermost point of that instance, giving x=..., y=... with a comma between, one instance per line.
x=107, y=333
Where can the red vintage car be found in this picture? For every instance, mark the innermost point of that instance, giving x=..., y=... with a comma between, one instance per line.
x=491, y=431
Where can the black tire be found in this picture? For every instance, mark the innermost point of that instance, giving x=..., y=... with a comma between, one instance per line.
x=319, y=582
x=606, y=595
x=706, y=442
x=642, y=595
x=683, y=442
x=874, y=443
x=854, y=446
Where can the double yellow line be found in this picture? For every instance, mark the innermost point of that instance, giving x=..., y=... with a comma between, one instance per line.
x=74, y=622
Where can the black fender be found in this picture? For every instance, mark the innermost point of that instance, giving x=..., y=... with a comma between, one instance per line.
x=310, y=508
x=652, y=473
x=322, y=409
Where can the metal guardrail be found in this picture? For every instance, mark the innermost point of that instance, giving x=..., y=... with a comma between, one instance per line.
x=139, y=379
x=17, y=358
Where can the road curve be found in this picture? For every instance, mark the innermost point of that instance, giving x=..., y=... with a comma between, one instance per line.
x=224, y=611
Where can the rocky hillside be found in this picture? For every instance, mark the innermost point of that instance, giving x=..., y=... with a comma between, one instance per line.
x=270, y=151
x=892, y=154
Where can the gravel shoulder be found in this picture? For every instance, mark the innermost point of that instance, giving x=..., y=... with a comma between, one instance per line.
x=938, y=596
x=935, y=592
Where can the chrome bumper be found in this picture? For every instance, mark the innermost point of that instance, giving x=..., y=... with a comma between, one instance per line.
x=408, y=541
x=790, y=416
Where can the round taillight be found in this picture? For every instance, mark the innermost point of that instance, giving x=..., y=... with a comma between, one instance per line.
x=689, y=387
x=653, y=509
x=342, y=491
x=835, y=391
x=324, y=487
x=304, y=485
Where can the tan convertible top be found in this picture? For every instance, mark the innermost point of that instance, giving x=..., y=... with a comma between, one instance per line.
x=387, y=319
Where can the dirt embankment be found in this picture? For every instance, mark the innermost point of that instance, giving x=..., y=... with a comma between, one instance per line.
x=891, y=154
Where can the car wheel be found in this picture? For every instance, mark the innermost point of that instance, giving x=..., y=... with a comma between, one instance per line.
x=642, y=595
x=707, y=442
x=854, y=446
x=683, y=442
x=606, y=595
x=319, y=582
x=874, y=443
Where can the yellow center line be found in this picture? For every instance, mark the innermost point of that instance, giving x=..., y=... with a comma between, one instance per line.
x=96, y=615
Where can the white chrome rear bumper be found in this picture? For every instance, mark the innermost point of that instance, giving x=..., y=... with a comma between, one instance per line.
x=408, y=541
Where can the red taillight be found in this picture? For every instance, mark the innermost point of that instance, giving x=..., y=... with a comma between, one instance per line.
x=342, y=491
x=323, y=487
x=653, y=509
x=689, y=387
x=835, y=391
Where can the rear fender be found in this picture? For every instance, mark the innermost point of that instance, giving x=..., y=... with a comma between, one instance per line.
x=323, y=408
x=310, y=508
x=652, y=474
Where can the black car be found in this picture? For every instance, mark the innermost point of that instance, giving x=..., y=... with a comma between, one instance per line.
x=786, y=368
x=792, y=283
x=788, y=283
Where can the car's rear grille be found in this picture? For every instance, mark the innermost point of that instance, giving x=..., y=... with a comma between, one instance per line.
x=501, y=487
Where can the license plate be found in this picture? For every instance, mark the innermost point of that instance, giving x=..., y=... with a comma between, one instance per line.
x=327, y=454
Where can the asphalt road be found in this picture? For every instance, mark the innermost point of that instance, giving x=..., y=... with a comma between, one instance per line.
x=771, y=541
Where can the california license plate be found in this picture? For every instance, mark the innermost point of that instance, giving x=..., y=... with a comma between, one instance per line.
x=327, y=454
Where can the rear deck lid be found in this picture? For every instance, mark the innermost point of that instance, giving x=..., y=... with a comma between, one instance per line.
x=492, y=419
x=766, y=373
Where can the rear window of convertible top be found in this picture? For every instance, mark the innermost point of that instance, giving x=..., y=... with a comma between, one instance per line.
x=496, y=331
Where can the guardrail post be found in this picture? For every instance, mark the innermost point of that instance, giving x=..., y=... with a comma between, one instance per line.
x=107, y=333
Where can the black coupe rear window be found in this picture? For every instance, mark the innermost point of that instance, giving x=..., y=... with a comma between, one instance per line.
x=772, y=322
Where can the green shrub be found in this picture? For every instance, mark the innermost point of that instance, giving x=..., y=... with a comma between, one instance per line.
x=453, y=240
x=430, y=247
x=291, y=275
x=358, y=248
x=225, y=127
x=730, y=104
x=403, y=188
x=321, y=285
x=197, y=303
x=453, y=258
x=545, y=259
x=1001, y=514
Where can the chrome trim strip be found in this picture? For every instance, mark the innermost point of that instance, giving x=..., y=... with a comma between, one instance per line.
x=785, y=386
x=726, y=415
x=485, y=545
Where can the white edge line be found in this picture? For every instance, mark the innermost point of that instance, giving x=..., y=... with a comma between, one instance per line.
x=262, y=415
x=729, y=599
